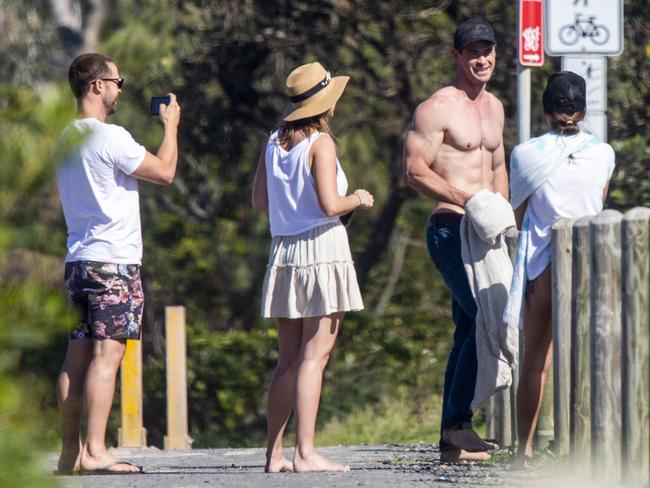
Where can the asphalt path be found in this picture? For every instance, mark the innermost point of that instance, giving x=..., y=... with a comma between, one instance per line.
x=388, y=466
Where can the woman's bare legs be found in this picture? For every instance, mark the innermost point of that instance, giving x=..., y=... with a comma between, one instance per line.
x=319, y=335
x=281, y=396
x=538, y=354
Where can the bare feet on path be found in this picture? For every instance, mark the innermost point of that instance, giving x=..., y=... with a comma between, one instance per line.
x=106, y=462
x=468, y=440
x=315, y=462
x=282, y=465
x=455, y=455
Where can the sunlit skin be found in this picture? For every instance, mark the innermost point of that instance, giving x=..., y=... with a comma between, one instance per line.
x=453, y=149
x=454, y=146
x=477, y=62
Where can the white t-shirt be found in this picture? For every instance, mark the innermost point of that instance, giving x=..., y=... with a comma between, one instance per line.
x=293, y=201
x=575, y=190
x=100, y=199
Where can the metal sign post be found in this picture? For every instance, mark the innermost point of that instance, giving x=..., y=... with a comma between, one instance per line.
x=594, y=70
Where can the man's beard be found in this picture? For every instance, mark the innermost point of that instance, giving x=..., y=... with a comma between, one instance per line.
x=109, y=107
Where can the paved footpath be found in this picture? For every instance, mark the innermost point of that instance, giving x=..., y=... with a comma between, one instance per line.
x=388, y=466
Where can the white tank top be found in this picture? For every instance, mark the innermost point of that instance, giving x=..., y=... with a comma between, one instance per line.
x=293, y=202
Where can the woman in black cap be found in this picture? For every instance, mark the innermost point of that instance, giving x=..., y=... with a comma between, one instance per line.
x=563, y=173
x=310, y=280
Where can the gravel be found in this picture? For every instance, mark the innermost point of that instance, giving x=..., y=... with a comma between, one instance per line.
x=385, y=466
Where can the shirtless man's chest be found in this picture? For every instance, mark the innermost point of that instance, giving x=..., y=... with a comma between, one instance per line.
x=473, y=134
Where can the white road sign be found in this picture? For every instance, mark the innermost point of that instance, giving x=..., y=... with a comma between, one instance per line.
x=594, y=70
x=596, y=124
x=584, y=27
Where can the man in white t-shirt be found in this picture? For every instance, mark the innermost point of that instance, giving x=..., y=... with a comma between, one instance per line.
x=98, y=185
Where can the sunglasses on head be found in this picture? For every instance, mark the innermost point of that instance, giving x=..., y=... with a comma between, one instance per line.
x=118, y=81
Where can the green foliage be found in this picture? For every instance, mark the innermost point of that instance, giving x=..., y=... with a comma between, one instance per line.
x=395, y=419
x=628, y=112
x=33, y=311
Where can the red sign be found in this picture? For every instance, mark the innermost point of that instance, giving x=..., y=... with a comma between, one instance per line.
x=531, y=33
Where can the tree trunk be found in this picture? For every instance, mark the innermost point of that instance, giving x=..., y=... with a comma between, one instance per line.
x=79, y=30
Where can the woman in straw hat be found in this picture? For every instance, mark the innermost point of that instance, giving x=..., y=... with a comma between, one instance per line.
x=563, y=173
x=310, y=280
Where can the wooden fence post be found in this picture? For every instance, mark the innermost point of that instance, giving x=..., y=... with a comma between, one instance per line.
x=491, y=418
x=635, y=377
x=177, y=436
x=580, y=411
x=561, y=275
x=605, y=325
x=504, y=427
x=131, y=433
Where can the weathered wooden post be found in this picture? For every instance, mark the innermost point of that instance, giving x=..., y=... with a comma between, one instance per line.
x=131, y=433
x=504, y=427
x=561, y=275
x=491, y=418
x=177, y=436
x=635, y=377
x=580, y=411
x=605, y=325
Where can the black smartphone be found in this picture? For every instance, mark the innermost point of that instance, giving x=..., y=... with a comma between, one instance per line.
x=156, y=102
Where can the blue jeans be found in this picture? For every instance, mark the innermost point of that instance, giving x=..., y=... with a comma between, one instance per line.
x=443, y=242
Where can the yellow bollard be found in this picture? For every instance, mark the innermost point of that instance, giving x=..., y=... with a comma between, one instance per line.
x=132, y=434
x=177, y=436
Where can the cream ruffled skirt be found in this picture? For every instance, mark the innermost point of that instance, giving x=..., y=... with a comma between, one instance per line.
x=311, y=275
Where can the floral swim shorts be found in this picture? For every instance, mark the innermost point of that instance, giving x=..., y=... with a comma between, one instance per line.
x=109, y=298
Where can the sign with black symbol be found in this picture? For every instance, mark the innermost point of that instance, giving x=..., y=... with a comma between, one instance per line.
x=584, y=27
x=594, y=70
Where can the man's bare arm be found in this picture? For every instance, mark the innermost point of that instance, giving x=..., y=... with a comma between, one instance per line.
x=499, y=161
x=421, y=147
x=500, y=173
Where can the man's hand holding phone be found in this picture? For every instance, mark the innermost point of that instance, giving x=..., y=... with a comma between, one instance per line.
x=167, y=109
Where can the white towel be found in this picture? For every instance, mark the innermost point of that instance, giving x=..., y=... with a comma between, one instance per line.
x=489, y=270
x=532, y=163
x=513, y=314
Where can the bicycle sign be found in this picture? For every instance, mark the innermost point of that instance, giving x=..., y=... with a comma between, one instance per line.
x=584, y=27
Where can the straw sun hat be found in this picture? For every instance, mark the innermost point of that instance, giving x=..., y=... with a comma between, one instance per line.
x=312, y=91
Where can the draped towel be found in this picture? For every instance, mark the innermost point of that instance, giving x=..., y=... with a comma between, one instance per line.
x=531, y=165
x=489, y=270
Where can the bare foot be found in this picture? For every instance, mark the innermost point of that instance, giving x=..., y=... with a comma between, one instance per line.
x=467, y=439
x=282, y=465
x=315, y=462
x=69, y=461
x=455, y=455
x=106, y=462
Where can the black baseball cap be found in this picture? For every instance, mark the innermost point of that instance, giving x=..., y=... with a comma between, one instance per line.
x=473, y=30
x=565, y=93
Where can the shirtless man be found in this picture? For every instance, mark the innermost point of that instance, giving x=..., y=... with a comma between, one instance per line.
x=453, y=149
